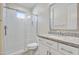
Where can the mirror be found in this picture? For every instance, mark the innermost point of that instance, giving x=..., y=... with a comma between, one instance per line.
x=63, y=16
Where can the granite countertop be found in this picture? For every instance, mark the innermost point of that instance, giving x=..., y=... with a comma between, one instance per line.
x=67, y=40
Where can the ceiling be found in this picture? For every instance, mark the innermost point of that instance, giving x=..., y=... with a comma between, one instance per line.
x=27, y=5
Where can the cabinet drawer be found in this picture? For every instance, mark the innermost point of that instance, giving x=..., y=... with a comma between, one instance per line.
x=42, y=41
x=49, y=43
x=42, y=50
x=54, y=52
x=68, y=50
x=52, y=44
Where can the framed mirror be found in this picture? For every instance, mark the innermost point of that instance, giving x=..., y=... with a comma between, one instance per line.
x=64, y=16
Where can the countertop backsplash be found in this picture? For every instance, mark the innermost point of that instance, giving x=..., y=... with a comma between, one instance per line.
x=65, y=33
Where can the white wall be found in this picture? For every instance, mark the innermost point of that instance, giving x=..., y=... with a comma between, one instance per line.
x=42, y=10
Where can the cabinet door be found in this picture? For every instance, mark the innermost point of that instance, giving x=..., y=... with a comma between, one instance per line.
x=68, y=50
x=50, y=43
x=54, y=52
x=42, y=50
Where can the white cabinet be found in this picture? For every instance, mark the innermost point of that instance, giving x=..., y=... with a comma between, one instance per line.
x=48, y=47
x=55, y=52
x=42, y=50
x=51, y=44
x=68, y=50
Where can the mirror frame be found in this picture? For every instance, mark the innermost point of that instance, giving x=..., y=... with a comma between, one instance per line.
x=50, y=21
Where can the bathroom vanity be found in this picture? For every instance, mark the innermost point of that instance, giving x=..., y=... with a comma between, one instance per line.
x=63, y=36
x=58, y=45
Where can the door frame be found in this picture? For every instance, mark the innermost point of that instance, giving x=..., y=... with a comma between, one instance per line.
x=1, y=29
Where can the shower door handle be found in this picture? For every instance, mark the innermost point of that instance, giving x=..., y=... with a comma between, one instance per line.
x=5, y=28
